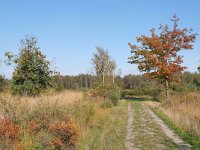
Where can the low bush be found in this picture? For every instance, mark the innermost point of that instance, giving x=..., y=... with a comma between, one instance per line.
x=114, y=94
x=44, y=113
x=8, y=130
x=42, y=126
x=111, y=92
x=122, y=102
x=107, y=104
x=83, y=111
x=147, y=90
x=65, y=134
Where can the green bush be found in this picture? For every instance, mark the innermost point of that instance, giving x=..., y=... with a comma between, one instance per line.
x=107, y=104
x=100, y=90
x=114, y=94
x=59, y=87
x=75, y=86
x=141, y=91
x=44, y=113
x=191, y=87
x=1, y=82
x=111, y=92
x=83, y=111
x=152, y=91
x=122, y=102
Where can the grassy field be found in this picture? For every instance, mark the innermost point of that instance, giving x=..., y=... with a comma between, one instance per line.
x=38, y=122
x=74, y=120
x=46, y=122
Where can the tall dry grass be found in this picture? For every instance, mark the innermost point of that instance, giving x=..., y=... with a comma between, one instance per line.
x=31, y=119
x=184, y=110
x=42, y=122
x=63, y=98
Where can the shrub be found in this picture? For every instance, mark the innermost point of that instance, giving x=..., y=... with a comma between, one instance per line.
x=191, y=87
x=8, y=130
x=134, y=92
x=114, y=94
x=83, y=111
x=100, y=90
x=122, y=102
x=65, y=134
x=44, y=113
x=1, y=82
x=75, y=86
x=152, y=91
x=107, y=104
x=111, y=92
x=59, y=87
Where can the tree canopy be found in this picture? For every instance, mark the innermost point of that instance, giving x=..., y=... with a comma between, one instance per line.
x=32, y=73
x=157, y=56
x=103, y=65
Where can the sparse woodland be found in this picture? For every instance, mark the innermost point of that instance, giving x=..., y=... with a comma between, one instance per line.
x=42, y=109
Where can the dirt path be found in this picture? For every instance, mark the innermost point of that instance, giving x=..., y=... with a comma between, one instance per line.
x=145, y=131
x=128, y=143
x=175, y=138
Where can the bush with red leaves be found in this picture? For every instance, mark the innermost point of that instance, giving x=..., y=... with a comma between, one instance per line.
x=65, y=133
x=8, y=130
x=33, y=126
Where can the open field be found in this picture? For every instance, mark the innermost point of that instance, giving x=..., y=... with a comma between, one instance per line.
x=95, y=124
x=84, y=119
x=64, y=98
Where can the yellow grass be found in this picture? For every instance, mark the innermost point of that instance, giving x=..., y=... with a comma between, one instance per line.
x=64, y=98
x=185, y=111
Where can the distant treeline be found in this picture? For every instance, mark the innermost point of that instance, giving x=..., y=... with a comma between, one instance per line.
x=188, y=81
x=81, y=81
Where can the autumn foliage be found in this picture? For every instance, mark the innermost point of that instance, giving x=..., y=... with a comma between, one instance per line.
x=158, y=54
x=65, y=133
x=8, y=129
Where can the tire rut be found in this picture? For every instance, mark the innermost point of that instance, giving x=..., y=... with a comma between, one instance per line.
x=128, y=142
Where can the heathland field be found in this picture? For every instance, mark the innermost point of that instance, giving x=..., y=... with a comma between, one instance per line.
x=76, y=120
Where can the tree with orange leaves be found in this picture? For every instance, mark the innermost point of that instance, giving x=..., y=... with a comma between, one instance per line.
x=158, y=54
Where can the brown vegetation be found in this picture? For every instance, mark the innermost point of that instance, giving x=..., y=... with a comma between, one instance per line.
x=38, y=122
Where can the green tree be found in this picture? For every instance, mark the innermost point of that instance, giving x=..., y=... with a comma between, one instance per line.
x=1, y=78
x=1, y=82
x=32, y=73
x=103, y=65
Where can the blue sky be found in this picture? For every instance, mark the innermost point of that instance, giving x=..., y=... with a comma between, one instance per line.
x=69, y=30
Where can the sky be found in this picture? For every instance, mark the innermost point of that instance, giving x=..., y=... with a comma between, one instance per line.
x=69, y=30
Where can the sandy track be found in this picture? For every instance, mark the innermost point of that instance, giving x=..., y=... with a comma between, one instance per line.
x=145, y=131
x=128, y=142
x=175, y=138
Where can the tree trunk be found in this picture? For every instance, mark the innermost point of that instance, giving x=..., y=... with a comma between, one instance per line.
x=113, y=79
x=167, y=89
x=103, y=79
